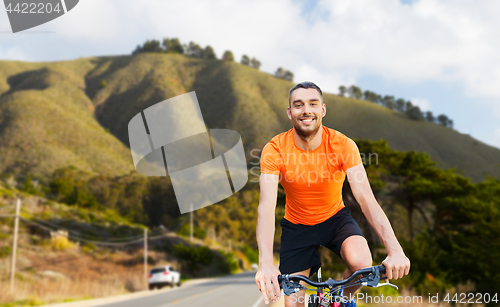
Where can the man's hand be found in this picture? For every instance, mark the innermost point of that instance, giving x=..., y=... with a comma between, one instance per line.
x=267, y=282
x=396, y=266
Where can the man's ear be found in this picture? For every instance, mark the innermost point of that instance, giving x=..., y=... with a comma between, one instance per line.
x=289, y=113
x=323, y=110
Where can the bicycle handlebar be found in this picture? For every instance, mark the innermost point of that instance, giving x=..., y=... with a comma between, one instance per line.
x=371, y=277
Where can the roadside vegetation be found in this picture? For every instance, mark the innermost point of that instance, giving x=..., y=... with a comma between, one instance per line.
x=446, y=223
x=82, y=251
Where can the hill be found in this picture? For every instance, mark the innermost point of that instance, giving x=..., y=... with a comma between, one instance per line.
x=58, y=114
x=47, y=122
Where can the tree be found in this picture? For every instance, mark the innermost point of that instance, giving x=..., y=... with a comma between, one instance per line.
x=194, y=50
x=288, y=75
x=388, y=102
x=342, y=91
x=173, y=45
x=370, y=96
x=228, y=56
x=284, y=74
x=415, y=113
x=429, y=117
x=408, y=106
x=400, y=105
x=466, y=231
x=255, y=63
x=280, y=72
x=137, y=50
x=443, y=120
x=245, y=60
x=355, y=92
x=208, y=53
x=417, y=172
x=151, y=46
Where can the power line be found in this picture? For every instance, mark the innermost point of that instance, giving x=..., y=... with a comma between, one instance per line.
x=82, y=236
x=95, y=242
x=53, y=227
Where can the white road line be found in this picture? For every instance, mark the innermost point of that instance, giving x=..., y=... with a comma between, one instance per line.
x=257, y=303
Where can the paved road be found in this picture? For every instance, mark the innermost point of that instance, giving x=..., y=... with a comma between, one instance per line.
x=235, y=290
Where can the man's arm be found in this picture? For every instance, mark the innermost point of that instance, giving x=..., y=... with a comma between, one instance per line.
x=267, y=272
x=396, y=263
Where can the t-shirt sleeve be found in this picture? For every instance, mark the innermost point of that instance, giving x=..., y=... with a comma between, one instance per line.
x=270, y=160
x=350, y=155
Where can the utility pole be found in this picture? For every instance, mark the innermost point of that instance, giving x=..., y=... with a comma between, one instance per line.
x=191, y=224
x=213, y=236
x=14, y=245
x=146, y=254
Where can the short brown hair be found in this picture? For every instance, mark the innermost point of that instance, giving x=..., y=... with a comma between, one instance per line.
x=305, y=85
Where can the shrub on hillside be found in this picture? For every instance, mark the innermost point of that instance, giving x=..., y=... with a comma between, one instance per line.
x=61, y=243
x=193, y=257
x=197, y=232
x=228, y=263
x=228, y=56
x=251, y=254
x=5, y=251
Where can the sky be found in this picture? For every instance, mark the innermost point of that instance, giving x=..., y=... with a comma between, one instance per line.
x=440, y=54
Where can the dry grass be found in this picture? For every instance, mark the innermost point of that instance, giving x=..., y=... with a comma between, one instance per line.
x=48, y=276
x=53, y=269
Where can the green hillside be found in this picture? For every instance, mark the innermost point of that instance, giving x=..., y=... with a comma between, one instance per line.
x=58, y=114
x=47, y=122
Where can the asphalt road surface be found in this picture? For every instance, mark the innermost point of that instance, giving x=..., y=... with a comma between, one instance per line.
x=235, y=290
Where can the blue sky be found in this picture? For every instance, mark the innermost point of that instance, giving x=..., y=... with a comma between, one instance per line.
x=440, y=54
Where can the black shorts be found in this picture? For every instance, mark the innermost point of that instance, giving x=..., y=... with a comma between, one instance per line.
x=300, y=243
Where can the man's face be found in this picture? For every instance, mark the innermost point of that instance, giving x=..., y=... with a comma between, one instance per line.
x=306, y=111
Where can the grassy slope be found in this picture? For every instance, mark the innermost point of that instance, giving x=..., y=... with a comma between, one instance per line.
x=231, y=96
x=47, y=121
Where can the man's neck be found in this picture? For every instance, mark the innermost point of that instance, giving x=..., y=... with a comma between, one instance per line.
x=310, y=144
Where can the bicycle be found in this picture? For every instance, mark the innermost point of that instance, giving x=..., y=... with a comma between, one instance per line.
x=329, y=291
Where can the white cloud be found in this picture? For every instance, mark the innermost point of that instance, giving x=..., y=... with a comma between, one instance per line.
x=324, y=80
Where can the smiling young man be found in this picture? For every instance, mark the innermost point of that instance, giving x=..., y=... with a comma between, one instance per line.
x=311, y=162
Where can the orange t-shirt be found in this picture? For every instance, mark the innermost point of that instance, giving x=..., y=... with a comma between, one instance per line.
x=312, y=179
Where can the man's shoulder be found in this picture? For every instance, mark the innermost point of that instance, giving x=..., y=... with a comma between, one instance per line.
x=281, y=141
x=335, y=137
